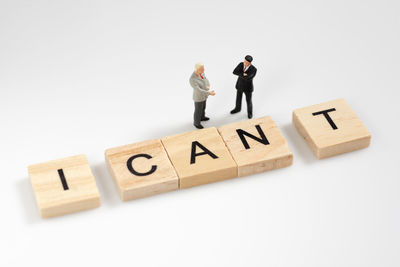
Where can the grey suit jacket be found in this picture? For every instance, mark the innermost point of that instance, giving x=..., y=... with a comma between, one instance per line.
x=200, y=91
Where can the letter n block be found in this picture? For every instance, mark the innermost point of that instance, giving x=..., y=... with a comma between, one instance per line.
x=256, y=145
x=141, y=169
x=331, y=128
x=200, y=157
x=64, y=186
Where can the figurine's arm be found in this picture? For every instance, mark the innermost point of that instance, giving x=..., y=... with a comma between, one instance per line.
x=196, y=87
x=238, y=71
x=250, y=75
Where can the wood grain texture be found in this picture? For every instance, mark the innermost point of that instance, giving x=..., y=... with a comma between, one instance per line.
x=205, y=169
x=130, y=186
x=258, y=157
x=325, y=141
x=52, y=198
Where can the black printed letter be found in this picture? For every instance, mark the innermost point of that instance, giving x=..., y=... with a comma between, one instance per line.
x=327, y=117
x=205, y=152
x=62, y=178
x=130, y=168
x=262, y=140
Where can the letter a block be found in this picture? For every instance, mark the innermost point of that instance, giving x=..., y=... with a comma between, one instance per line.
x=256, y=145
x=141, y=169
x=200, y=157
x=64, y=186
x=331, y=128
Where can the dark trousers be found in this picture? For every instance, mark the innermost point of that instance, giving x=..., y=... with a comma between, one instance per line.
x=199, y=112
x=239, y=95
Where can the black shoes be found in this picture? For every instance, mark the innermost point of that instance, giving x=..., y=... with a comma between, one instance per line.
x=198, y=126
x=201, y=126
x=235, y=110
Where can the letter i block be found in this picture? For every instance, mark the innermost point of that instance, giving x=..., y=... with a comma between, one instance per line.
x=64, y=186
x=256, y=145
x=200, y=157
x=331, y=128
x=141, y=169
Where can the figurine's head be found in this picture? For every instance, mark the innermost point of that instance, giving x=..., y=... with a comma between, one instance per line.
x=247, y=60
x=199, y=68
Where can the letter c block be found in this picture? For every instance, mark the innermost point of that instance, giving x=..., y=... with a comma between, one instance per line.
x=141, y=169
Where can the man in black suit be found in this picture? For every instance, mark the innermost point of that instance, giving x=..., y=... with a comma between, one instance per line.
x=246, y=72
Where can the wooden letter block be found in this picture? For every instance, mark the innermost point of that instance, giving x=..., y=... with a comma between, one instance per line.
x=256, y=145
x=141, y=170
x=64, y=186
x=200, y=157
x=331, y=128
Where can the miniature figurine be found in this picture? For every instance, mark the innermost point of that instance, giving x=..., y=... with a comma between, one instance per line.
x=201, y=91
x=246, y=72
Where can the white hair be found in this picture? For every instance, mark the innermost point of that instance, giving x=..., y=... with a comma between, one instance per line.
x=197, y=66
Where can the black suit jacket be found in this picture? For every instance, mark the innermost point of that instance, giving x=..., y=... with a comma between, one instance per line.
x=245, y=83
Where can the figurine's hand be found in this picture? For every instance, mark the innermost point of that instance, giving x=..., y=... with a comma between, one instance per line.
x=244, y=74
x=208, y=87
x=212, y=93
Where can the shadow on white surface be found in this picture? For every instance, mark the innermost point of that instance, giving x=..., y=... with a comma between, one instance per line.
x=28, y=202
x=216, y=120
x=298, y=145
x=228, y=118
x=108, y=191
x=158, y=133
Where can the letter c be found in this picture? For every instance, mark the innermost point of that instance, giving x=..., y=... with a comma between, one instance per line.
x=132, y=170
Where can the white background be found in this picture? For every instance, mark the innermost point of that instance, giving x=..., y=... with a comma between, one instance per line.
x=83, y=76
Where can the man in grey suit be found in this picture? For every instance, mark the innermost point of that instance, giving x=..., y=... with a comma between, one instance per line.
x=201, y=91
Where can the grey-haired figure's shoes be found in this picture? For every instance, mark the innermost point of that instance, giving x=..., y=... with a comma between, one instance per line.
x=198, y=126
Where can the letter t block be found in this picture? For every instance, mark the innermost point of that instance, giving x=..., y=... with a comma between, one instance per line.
x=331, y=128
